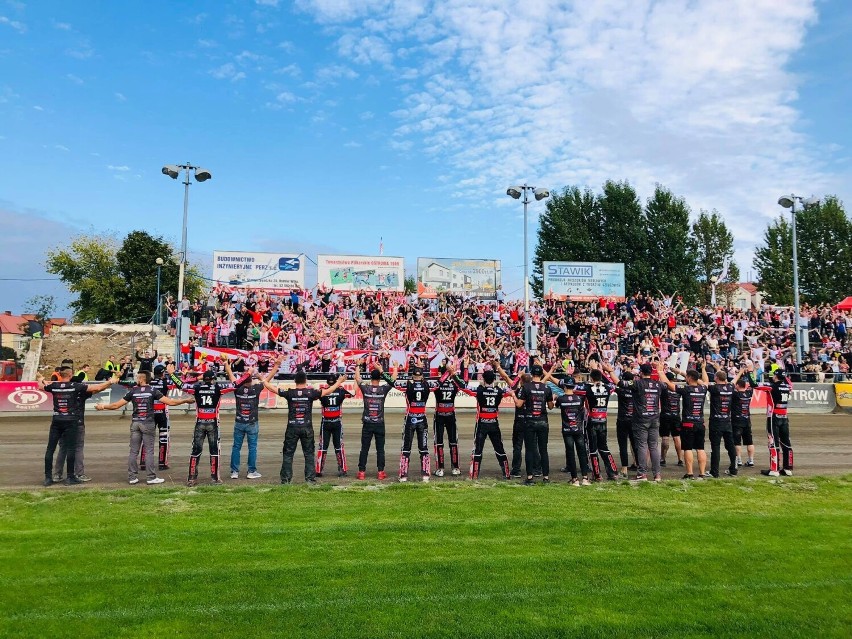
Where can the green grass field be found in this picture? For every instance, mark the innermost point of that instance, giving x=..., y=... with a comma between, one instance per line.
x=721, y=559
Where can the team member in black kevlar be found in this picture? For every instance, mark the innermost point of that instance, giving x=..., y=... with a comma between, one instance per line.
x=488, y=398
x=416, y=391
x=208, y=395
x=597, y=395
x=331, y=427
x=445, y=419
x=778, y=425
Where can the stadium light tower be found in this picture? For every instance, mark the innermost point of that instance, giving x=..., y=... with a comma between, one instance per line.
x=201, y=175
x=789, y=202
x=539, y=194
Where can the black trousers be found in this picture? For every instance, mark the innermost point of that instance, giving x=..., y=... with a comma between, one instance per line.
x=596, y=434
x=518, y=439
x=66, y=431
x=492, y=432
x=575, y=439
x=624, y=434
x=293, y=435
x=210, y=431
x=415, y=425
x=538, y=461
x=779, y=428
x=446, y=421
x=331, y=431
x=721, y=431
x=368, y=432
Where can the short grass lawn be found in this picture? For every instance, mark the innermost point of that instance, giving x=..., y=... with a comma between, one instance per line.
x=746, y=557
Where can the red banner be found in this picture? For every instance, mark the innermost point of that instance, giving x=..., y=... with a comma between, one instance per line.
x=22, y=397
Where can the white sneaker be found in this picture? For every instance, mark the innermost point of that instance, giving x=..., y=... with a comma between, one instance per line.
x=133, y=481
x=585, y=482
x=787, y=473
x=156, y=480
x=439, y=472
x=739, y=462
x=235, y=475
x=254, y=475
x=403, y=479
x=456, y=471
x=425, y=479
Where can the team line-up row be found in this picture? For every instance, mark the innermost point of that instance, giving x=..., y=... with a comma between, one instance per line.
x=651, y=409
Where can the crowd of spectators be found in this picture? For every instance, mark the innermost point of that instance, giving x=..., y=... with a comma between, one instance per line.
x=319, y=325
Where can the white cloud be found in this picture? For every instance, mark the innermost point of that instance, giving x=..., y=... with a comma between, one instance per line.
x=694, y=95
x=61, y=147
x=38, y=108
x=332, y=72
x=120, y=97
x=20, y=27
x=267, y=3
x=73, y=78
x=367, y=115
x=122, y=168
x=292, y=70
x=227, y=71
x=83, y=50
x=206, y=44
x=62, y=26
x=247, y=56
x=352, y=145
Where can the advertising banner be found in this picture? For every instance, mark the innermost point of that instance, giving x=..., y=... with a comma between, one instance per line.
x=269, y=271
x=361, y=272
x=23, y=397
x=478, y=278
x=843, y=393
x=583, y=281
x=810, y=398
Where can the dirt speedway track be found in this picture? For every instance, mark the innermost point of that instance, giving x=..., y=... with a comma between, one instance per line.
x=822, y=445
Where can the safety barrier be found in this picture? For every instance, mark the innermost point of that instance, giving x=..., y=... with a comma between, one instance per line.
x=25, y=397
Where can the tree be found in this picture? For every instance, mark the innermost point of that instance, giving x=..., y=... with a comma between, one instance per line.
x=43, y=307
x=715, y=245
x=410, y=284
x=88, y=268
x=623, y=235
x=824, y=235
x=773, y=262
x=566, y=231
x=117, y=283
x=672, y=264
x=8, y=353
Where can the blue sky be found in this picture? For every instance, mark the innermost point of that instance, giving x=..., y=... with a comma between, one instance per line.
x=330, y=123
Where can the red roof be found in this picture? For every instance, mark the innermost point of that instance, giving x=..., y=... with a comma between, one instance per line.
x=748, y=287
x=13, y=324
x=17, y=324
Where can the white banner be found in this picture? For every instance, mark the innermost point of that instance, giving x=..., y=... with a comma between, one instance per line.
x=583, y=281
x=478, y=278
x=270, y=271
x=361, y=272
